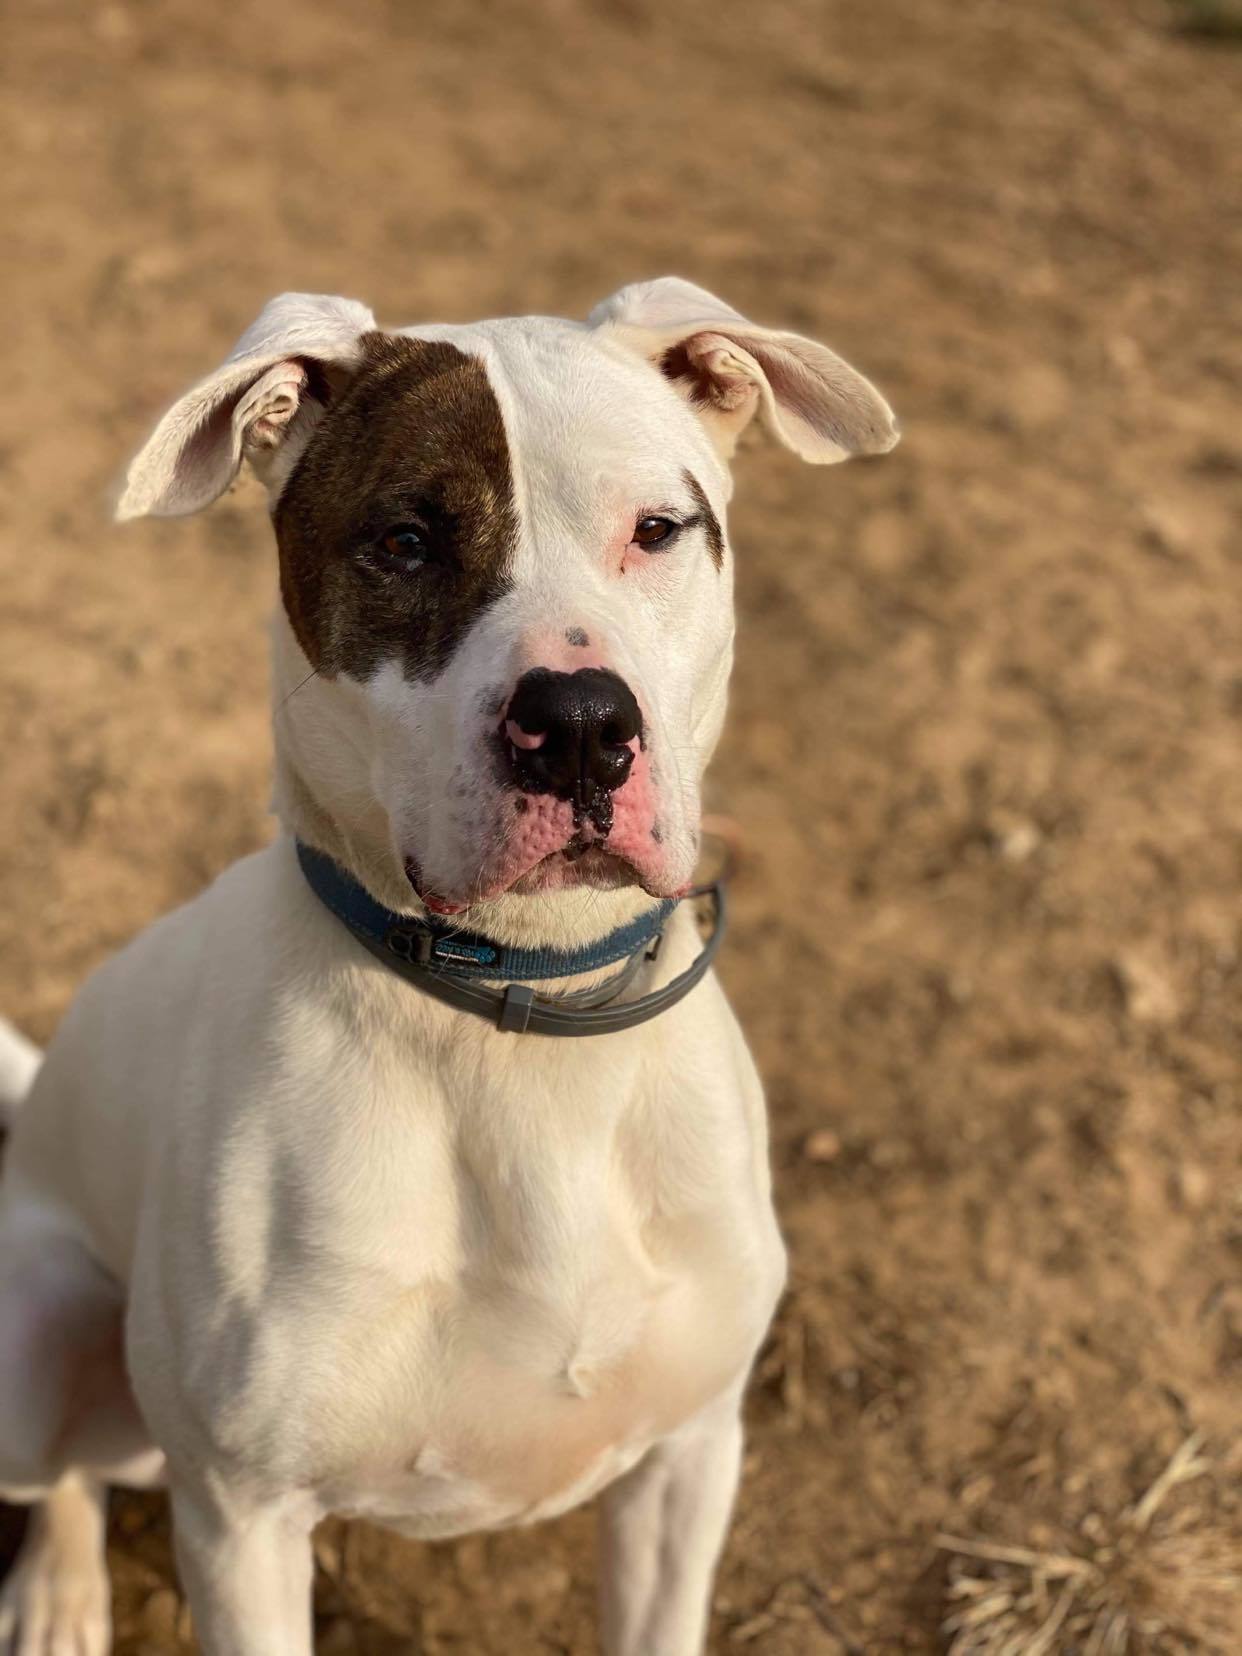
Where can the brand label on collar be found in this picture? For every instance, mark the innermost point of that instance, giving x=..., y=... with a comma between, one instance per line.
x=448, y=948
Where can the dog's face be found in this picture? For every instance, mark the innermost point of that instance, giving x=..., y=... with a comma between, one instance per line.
x=509, y=542
x=503, y=559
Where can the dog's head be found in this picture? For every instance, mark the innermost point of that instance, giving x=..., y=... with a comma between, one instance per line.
x=507, y=614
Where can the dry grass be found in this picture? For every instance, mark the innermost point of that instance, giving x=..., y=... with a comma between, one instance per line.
x=1150, y=1582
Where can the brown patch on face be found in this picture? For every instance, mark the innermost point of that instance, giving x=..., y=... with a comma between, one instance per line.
x=711, y=523
x=416, y=440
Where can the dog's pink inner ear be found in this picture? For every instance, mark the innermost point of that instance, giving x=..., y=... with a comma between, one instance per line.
x=815, y=403
x=728, y=369
x=710, y=372
x=249, y=406
x=263, y=414
x=722, y=384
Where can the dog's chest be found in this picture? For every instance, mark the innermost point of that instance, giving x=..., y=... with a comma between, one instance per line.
x=515, y=1332
x=528, y=1401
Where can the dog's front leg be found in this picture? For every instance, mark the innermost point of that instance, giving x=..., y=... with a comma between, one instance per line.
x=246, y=1567
x=662, y=1528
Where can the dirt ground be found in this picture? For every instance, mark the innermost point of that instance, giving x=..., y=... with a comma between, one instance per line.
x=986, y=726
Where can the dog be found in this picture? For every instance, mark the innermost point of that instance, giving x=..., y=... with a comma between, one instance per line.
x=289, y=1235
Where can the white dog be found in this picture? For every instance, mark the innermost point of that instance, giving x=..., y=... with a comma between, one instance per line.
x=283, y=1229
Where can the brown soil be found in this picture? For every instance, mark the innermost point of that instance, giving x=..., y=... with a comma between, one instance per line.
x=987, y=719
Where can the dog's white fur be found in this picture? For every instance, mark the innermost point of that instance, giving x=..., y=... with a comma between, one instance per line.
x=370, y=1255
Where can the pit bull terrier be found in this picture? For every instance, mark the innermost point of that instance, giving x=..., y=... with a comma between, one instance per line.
x=309, y=1208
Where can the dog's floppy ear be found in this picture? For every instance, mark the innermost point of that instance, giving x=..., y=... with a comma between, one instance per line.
x=728, y=368
x=282, y=366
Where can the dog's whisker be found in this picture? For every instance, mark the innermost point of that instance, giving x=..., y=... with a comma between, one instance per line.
x=285, y=700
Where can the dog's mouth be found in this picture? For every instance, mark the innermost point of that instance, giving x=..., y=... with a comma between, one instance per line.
x=583, y=862
x=536, y=843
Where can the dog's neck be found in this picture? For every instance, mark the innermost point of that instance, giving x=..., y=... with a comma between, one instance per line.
x=350, y=825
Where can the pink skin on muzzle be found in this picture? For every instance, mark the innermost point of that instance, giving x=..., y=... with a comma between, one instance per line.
x=540, y=826
x=524, y=738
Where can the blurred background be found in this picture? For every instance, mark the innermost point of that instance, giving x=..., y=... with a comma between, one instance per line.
x=985, y=735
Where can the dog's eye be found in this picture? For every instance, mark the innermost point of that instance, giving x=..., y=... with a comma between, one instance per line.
x=654, y=531
x=406, y=544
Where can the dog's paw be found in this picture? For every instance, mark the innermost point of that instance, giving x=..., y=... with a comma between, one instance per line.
x=55, y=1602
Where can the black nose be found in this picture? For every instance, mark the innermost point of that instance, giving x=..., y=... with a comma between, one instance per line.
x=572, y=735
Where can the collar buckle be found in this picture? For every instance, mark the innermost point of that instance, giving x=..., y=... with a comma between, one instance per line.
x=410, y=943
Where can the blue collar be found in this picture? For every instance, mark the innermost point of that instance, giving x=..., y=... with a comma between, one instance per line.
x=466, y=954
x=449, y=965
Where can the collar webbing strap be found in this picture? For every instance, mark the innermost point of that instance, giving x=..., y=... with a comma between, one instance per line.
x=449, y=965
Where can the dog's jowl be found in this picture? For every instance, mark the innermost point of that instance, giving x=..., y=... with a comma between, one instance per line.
x=417, y=1169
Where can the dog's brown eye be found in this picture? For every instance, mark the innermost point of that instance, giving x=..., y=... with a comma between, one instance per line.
x=651, y=531
x=406, y=544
